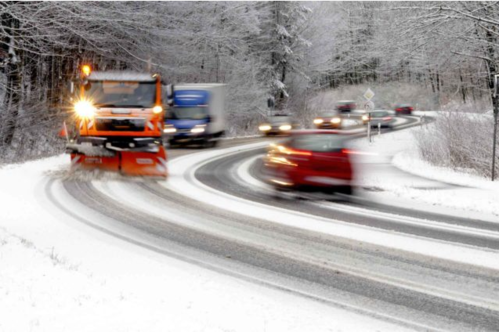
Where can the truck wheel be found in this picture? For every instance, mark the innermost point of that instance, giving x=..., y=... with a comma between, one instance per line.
x=209, y=142
x=172, y=144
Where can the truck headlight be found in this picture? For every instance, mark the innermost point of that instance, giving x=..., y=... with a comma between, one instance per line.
x=285, y=127
x=318, y=121
x=84, y=109
x=198, y=129
x=264, y=127
x=169, y=129
x=157, y=109
x=335, y=120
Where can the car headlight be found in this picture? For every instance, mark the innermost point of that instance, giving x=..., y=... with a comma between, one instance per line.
x=84, y=109
x=169, y=129
x=285, y=127
x=264, y=127
x=365, y=118
x=318, y=121
x=198, y=129
x=336, y=120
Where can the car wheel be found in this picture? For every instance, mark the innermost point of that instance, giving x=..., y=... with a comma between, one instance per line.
x=279, y=193
x=345, y=190
x=276, y=194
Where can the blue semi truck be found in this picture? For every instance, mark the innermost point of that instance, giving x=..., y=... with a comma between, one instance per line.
x=197, y=115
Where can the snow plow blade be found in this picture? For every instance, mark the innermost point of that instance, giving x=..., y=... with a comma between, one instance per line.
x=125, y=162
x=144, y=163
x=84, y=162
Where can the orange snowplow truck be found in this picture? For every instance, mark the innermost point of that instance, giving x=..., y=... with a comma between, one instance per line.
x=119, y=123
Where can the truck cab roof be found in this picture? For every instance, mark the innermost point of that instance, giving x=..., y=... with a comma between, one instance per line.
x=121, y=76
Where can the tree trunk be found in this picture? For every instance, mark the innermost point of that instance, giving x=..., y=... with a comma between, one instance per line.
x=491, y=64
x=13, y=73
x=463, y=90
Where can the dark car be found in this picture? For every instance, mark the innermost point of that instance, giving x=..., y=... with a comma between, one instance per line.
x=277, y=125
x=310, y=160
x=328, y=120
x=404, y=109
x=345, y=106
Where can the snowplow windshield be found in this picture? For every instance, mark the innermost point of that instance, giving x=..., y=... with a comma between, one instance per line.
x=184, y=113
x=121, y=93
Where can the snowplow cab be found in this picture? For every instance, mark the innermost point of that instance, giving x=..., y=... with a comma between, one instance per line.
x=119, y=123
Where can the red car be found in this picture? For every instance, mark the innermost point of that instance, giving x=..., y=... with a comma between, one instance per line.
x=311, y=160
x=404, y=109
x=345, y=106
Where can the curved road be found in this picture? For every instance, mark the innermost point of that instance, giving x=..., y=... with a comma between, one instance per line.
x=416, y=269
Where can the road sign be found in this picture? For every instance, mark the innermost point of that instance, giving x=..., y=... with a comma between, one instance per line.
x=369, y=94
x=369, y=106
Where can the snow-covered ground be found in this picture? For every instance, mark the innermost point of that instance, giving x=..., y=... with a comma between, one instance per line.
x=390, y=160
x=57, y=274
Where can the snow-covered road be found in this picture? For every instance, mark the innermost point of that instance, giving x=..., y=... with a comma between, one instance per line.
x=210, y=249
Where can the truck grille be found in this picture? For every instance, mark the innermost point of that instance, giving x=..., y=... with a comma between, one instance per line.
x=120, y=124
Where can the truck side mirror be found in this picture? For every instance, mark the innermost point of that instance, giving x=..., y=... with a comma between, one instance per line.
x=168, y=94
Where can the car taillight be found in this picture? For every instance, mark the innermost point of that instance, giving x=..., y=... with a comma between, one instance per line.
x=410, y=109
x=348, y=151
x=398, y=109
x=387, y=118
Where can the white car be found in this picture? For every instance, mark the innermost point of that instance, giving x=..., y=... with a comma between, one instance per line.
x=383, y=118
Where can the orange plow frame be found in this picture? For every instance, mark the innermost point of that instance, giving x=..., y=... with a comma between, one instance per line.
x=125, y=162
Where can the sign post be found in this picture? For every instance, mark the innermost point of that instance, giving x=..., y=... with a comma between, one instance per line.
x=369, y=131
x=369, y=106
x=494, y=140
x=495, y=102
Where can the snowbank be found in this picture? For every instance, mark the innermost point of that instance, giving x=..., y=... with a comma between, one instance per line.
x=411, y=162
x=395, y=174
x=60, y=275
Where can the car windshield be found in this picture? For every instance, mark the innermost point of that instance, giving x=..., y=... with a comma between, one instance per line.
x=121, y=93
x=379, y=114
x=279, y=119
x=184, y=113
x=345, y=103
x=317, y=142
x=327, y=115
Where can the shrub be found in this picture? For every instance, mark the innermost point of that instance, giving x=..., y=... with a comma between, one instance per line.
x=461, y=141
